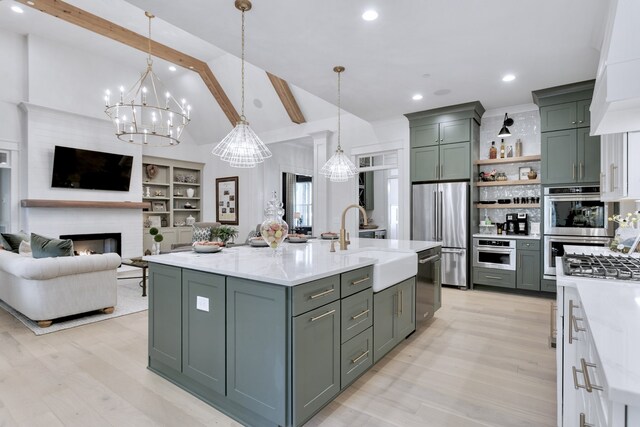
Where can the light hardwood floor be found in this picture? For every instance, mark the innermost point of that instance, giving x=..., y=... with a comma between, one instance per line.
x=483, y=361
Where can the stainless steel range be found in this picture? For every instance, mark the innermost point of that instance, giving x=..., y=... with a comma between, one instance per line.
x=602, y=267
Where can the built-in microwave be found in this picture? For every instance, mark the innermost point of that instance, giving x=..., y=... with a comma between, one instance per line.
x=494, y=253
x=576, y=211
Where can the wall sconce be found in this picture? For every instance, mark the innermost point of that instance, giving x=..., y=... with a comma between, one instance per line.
x=504, y=132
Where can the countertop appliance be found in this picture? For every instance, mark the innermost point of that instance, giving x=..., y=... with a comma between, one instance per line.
x=440, y=212
x=576, y=211
x=428, y=285
x=494, y=253
x=518, y=223
x=602, y=267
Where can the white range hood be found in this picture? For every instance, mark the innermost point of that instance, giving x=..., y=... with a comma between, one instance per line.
x=616, y=98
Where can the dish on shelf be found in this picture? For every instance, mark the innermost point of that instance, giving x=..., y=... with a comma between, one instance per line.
x=488, y=202
x=504, y=201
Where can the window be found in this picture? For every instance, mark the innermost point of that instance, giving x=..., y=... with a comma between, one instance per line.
x=304, y=198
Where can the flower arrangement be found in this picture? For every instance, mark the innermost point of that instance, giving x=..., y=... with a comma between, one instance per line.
x=630, y=220
x=627, y=234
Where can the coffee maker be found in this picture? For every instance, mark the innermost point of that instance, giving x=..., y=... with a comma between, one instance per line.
x=517, y=223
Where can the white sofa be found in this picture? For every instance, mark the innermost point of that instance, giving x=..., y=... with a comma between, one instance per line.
x=44, y=289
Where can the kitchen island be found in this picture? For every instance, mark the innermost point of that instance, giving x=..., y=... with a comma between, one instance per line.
x=270, y=340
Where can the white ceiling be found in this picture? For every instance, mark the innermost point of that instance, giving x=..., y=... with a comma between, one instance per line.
x=464, y=46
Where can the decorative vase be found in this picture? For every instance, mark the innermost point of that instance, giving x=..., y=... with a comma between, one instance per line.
x=274, y=229
x=190, y=220
x=190, y=192
x=532, y=174
x=155, y=249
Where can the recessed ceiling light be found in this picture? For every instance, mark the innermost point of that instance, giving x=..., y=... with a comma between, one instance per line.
x=172, y=68
x=441, y=92
x=426, y=75
x=508, y=78
x=370, y=15
x=416, y=97
x=17, y=9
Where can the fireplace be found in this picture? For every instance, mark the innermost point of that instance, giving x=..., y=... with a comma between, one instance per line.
x=85, y=244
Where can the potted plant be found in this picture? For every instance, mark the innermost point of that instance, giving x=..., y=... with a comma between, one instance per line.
x=157, y=238
x=224, y=233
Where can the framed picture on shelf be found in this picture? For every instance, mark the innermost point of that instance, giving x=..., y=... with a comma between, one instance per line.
x=159, y=206
x=154, y=221
x=524, y=173
x=227, y=200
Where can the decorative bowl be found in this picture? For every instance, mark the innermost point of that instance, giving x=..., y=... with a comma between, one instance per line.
x=297, y=239
x=258, y=242
x=206, y=249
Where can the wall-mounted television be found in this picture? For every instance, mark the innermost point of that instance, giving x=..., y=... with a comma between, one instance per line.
x=90, y=170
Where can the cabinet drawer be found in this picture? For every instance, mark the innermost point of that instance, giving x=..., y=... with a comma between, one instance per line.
x=315, y=294
x=529, y=245
x=492, y=277
x=356, y=281
x=356, y=357
x=357, y=314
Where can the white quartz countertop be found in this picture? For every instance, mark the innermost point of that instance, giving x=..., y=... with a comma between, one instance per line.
x=612, y=309
x=507, y=236
x=293, y=264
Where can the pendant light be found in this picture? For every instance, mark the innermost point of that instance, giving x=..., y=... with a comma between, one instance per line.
x=241, y=147
x=505, y=132
x=339, y=168
x=147, y=114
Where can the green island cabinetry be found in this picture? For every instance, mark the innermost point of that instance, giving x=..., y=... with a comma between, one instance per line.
x=268, y=354
x=443, y=142
x=569, y=154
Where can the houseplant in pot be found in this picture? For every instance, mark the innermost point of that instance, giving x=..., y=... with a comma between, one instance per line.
x=224, y=233
x=157, y=238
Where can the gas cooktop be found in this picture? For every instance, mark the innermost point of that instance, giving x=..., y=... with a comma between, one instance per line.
x=602, y=267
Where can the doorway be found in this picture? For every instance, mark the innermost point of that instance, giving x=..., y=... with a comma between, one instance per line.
x=297, y=198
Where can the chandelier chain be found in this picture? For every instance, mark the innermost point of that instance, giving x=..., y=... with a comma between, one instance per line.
x=149, y=60
x=242, y=69
x=339, y=72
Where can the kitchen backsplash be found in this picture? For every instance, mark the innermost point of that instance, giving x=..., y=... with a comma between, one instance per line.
x=526, y=126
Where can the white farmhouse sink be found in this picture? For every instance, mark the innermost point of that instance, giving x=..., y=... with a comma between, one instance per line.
x=391, y=267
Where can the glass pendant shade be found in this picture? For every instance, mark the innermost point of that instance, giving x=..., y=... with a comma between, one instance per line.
x=242, y=148
x=339, y=168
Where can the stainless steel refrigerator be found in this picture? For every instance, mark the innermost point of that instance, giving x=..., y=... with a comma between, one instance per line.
x=440, y=212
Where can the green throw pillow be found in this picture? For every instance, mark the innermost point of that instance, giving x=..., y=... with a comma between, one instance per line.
x=12, y=240
x=46, y=247
x=201, y=234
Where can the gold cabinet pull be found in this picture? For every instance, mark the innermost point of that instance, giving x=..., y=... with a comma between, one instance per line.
x=576, y=384
x=313, y=319
x=583, y=421
x=581, y=170
x=571, y=316
x=321, y=294
x=357, y=359
x=357, y=282
x=589, y=386
x=360, y=315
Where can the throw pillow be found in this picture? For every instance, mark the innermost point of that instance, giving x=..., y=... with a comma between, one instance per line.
x=13, y=240
x=25, y=248
x=201, y=234
x=46, y=247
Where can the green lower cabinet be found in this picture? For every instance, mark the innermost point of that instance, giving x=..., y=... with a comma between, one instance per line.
x=316, y=360
x=257, y=318
x=203, y=329
x=494, y=277
x=425, y=164
x=548, y=285
x=393, y=317
x=357, y=314
x=528, y=270
x=356, y=357
x=165, y=312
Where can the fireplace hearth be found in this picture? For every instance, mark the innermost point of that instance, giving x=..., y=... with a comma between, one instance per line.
x=98, y=243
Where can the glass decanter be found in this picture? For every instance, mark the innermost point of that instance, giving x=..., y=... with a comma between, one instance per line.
x=274, y=229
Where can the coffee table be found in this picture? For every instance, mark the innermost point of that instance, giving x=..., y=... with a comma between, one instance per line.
x=141, y=264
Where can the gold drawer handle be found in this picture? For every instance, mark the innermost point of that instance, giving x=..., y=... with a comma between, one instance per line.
x=313, y=319
x=321, y=294
x=583, y=421
x=587, y=380
x=357, y=359
x=360, y=315
x=357, y=282
x=576, y=384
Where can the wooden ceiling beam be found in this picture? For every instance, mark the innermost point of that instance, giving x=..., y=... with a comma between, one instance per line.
x=286, y=97
x=94, y=23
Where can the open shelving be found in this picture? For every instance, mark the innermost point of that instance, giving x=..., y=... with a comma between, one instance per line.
x=511, y=182
x=522, y=159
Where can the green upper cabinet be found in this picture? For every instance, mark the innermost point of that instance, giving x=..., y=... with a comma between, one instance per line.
x=455, y=161
x=588, y=156
x=570, y=156
x=423, y=136
x=455, y=131
x=558, y=117
x=442, y=141
x=583, y=114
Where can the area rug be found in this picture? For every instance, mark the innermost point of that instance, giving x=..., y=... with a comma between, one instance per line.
x=130, y=300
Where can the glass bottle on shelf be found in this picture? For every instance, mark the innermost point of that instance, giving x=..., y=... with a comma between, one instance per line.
x=493, y=151
x=519, y=148
x=510, y=151
x=502, y=152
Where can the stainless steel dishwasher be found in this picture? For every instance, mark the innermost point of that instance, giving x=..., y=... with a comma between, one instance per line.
x=428, y=285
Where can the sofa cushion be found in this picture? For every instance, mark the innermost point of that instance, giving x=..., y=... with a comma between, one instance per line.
x=13, y=240
x=49, y=268
x=25, y=249
x=201, y=234
x=47, y=247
